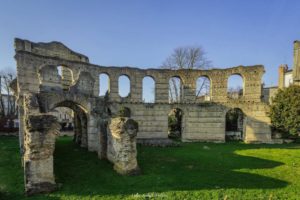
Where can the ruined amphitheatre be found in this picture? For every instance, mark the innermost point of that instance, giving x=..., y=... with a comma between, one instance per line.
x=100, y=128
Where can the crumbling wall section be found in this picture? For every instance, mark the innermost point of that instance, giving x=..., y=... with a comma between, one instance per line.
x=78, y=88
x=40, y=131
x=121, y=150
x=36, y=73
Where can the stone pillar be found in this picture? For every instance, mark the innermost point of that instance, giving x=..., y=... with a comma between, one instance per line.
x=84, y=131
x=281, y=71
x=252, y=86
x=102, y=147
x=161, y=89
x=219, y=87
x=189, y=90
x=67, y=78
x=80, y=129
x=92, y=133
x=21, y=126
x=114, y=87
x=296, y=67
x=39, y=144
x=96, y=76
x=136, y=87
x=122, y=132
x=77, y=129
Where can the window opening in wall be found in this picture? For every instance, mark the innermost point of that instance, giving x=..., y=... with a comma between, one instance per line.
x=203, y=88
x=66, y=76
x=235, y=86
x=175, y=90
x=103, y=84
x=124, y=86
x=148, y=90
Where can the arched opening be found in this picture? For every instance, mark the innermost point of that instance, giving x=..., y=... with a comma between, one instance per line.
x=69, y=109
x=65, y=117
x=175, y=90
x=203, y=88
x=234, y=124
x=66, y=76
x=175, y=117
x=67, y=146
x=148, y=90
x=235, y=86
x=103, y=84
x=124, y=86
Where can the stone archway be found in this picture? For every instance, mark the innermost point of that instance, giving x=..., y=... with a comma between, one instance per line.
x=80, y=121
x=235, y=125
x=41, y=129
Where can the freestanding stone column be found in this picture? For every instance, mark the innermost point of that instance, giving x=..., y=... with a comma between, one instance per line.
x=296, y=67
x=40, y=133
x=122, y=132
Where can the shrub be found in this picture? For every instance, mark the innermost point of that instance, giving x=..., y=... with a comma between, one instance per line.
x=285, y=110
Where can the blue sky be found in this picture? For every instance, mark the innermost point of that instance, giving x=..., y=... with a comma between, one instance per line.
x=142, y=33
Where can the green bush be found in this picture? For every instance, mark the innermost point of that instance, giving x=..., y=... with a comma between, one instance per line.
x=285, y=110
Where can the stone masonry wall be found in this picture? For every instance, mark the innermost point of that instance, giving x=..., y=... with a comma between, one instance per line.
x=201, y=121
x=39, y=82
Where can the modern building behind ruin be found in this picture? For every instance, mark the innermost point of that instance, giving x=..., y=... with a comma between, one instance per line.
x=286, y=76
x=40, y=89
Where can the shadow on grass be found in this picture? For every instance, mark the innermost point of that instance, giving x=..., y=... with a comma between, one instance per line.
x=190, y=167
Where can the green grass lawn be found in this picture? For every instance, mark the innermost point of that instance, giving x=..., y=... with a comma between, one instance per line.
x=193, y=171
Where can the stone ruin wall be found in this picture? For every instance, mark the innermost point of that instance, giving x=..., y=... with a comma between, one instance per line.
x=202, y=121
x=39, y=83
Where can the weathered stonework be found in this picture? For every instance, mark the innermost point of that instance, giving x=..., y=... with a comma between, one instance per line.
x=40, y=89
x=121, y=150
x=40, y=133
x=296, y=68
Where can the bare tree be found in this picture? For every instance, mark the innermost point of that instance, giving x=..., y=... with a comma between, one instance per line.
x=235, y=92
x=189, y=57
x=7, y=100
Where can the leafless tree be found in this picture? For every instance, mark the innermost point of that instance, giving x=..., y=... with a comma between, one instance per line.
x=235, y=92
x=7, y=100
x=189, y=57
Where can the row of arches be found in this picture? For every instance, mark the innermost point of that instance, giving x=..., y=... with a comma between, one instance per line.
x=235, y=86
x=148, y=91
x=203, y=88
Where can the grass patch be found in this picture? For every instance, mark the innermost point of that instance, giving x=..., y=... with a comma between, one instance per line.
x=193, y=171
